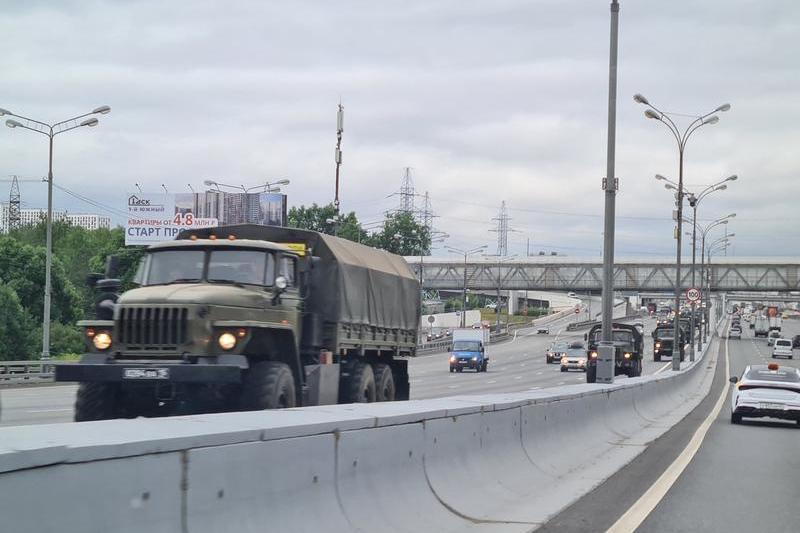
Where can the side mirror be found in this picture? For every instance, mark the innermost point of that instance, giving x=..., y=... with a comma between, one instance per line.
x=586, y=336
x=734, y=379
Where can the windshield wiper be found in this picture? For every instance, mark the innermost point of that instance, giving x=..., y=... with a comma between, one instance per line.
x=180, y=280
x=229, y=281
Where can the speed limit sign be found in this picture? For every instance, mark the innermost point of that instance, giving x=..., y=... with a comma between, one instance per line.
x=693, y=294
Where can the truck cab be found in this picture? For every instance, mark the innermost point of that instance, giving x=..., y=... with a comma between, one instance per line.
x=628, y=350
x=664, y=342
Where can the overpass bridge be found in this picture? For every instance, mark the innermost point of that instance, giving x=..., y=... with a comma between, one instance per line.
x=550, y=273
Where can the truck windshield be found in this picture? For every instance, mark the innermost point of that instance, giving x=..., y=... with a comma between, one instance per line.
x=252, y=267
x=466, y=346
x=175, y=266
x=665, y=332
x=238, y=266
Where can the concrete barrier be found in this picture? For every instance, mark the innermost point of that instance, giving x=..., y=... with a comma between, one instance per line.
x=503, y=462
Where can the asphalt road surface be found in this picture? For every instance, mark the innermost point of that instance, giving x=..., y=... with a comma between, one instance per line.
x=743, y=478
x=514, y=365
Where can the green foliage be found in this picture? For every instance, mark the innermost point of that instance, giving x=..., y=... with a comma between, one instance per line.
x=322, y=218
x=65, y=338
x=403, y=235
x=15, y=327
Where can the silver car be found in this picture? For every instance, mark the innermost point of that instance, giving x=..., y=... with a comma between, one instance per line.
x=766, y=391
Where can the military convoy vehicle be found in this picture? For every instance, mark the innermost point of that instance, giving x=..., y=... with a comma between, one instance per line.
x=628, y=350
x=249, y=317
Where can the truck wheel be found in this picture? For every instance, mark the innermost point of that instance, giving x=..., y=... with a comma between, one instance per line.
x=636, y=371
x=95, y=401
x=657, y=358
x=268, y=385
x=563, y=369
x=384, y=383
x=360, y=385
x=452, y=369
x=591, y=374
x=485, y=365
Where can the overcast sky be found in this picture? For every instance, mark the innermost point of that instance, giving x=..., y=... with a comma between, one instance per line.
x=488, y=101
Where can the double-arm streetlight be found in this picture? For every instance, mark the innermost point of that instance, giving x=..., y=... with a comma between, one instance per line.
x=694, y=201
x=500, y=260
x=682, y=137
x=703, y=234
x=267, y=186
x=717, y=245
x=50, y=131
x=465, y=253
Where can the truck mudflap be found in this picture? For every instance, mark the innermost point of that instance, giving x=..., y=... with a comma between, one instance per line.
x=149, y=372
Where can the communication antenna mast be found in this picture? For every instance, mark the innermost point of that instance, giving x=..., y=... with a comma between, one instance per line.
x=14, y=217
x=338, y=155
x=407, y=192
x=502, y=219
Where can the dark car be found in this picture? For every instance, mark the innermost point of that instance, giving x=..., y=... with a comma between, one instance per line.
x=555, y=352
x=796, y=341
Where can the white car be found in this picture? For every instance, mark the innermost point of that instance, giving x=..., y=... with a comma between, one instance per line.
x=772, y=336
x=735, y=333
x=766, y=391
x=782, y=348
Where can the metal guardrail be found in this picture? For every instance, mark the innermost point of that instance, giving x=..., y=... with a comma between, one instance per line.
x=25, y=372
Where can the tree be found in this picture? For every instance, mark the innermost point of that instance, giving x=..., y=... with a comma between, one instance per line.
x=324, y=220
x=403, y=235
x=15, y=327
x=22, y=268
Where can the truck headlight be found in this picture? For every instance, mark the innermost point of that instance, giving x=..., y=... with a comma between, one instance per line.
x=102, y=340
x=452, y=358
x=474, y=358
x=593, y=355
x=658, y=345
x=626, y=355
x=226, y=341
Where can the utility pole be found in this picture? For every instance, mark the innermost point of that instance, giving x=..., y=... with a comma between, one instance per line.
x=502, y=230
x=14, y=215
x=338, y=156
x=605, y=351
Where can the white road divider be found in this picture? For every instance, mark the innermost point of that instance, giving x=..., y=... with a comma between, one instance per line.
x=501, y=462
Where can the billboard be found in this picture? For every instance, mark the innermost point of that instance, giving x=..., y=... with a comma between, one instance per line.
x=160, y=217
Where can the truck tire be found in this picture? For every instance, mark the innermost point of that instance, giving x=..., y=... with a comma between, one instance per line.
x=591, y=374
x=267, y=385
x=360, y=385
x=657, y=358
x=95, y=401
x=384, y=383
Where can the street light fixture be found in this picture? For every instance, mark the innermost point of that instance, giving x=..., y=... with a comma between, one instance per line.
x=682, y=137
x=50, y=131
x=500, y=260
x=267, y=186
x=465, y=253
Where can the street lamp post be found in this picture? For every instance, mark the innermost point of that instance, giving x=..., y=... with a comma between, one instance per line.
x=465, y=253
x=682, y=138
x=50, y=131
x=706, y=297
x=694, y=201
x=267, y=186
x=720, y=244
x=500, y=261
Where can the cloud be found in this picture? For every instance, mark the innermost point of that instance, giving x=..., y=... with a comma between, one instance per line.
x=487, y=101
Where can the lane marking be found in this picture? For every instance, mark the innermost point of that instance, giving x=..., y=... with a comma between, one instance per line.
x=48, y=410
x=636, y=515
x=663, y=368
x=491, y=381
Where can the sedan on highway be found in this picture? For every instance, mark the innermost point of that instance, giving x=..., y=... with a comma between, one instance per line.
x=574, y=358
x=555, y=352
x=766, y=391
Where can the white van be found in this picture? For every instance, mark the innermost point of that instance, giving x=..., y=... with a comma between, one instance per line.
x=782, y=348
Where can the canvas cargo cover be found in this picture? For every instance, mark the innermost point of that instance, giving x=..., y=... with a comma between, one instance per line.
x=351, y=282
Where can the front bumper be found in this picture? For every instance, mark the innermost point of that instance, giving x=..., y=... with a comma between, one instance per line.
x=469, y=363
x=149, y=372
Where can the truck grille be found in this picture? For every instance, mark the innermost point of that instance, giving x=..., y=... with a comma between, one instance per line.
x=152, y=328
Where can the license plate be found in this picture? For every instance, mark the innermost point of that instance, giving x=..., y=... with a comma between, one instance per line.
x=771, y=406
x=145, y=373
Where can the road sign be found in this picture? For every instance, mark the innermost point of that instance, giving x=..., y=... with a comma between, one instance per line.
x=693, y=294
x=431, y=319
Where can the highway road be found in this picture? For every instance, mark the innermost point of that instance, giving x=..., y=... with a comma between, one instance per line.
x=742, y=478
x=514, y=365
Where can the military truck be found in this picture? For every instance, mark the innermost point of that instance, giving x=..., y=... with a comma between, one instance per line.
x=628, y=350
x=664, y=341
x=250, y=317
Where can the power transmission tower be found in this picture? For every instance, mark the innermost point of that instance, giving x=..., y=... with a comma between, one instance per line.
x=14, y=217
x=407, y=193
x=426, y=214
x=502, y=219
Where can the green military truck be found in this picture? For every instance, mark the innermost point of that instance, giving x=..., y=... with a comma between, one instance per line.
x=249, y=317
x=628, y=350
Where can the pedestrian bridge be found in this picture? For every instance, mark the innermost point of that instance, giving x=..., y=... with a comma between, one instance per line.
x=580, y=275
